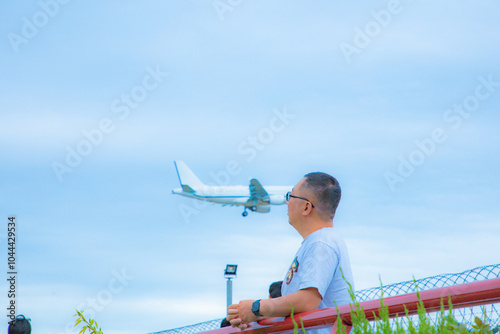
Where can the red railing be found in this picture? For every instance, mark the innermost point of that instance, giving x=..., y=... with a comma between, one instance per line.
x=463, y=295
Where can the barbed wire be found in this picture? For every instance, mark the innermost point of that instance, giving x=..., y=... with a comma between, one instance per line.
x=465, y=315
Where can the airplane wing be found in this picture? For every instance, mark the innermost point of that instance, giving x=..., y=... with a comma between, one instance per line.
x=257, y=191
x=259, y=198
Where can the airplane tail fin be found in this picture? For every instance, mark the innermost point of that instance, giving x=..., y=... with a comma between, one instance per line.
x=187, y=179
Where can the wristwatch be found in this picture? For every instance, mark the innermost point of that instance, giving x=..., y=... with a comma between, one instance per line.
x=256, y=308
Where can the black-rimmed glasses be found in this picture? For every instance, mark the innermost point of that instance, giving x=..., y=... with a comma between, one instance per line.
x=289, y=195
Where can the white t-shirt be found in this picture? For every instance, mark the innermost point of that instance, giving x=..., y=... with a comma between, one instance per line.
x=317, y=264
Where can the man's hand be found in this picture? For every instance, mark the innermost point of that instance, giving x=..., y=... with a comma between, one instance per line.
x=232, y=316
x=241, y=315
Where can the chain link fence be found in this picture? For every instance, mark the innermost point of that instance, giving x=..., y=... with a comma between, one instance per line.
x=465, y=315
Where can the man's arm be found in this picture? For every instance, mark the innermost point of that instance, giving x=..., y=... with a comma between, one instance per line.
x=302, y=300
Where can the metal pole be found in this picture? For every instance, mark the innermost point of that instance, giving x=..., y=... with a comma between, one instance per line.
x=229, y=292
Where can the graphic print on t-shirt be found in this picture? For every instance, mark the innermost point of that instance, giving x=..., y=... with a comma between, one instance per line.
x=293, y=269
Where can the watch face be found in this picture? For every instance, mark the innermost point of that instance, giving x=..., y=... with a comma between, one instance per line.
x=256, y=308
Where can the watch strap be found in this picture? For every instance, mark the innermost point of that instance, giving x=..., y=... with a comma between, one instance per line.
x=256, y=308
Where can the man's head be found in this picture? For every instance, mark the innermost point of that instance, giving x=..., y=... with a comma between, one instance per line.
x=315, y=197
x=275, y=289
x=20, y=325
x=326, y=190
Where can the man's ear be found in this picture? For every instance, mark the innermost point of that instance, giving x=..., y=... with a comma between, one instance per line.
x=307, y=208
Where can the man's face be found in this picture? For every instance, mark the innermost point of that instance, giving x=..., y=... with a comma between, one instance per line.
x=295, y=204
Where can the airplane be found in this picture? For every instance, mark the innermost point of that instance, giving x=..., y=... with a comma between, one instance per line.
x=254, y=197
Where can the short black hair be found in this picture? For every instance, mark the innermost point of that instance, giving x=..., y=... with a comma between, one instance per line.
x=275, y=289
x=20, y=325
x=327, y=190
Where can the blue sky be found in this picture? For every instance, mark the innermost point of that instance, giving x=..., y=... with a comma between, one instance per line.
x=397, y=99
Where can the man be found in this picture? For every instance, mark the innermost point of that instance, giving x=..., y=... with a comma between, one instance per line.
x=320, y=273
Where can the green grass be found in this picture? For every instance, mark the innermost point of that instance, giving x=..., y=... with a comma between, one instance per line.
x=419, y=324
x=422, y=323
x=89, y=324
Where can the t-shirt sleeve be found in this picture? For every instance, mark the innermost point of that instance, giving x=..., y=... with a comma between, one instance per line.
x=318, y=266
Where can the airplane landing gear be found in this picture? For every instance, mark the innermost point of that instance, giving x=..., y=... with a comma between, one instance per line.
x=245, y=213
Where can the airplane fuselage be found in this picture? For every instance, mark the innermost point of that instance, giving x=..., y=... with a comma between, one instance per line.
x=233, y=195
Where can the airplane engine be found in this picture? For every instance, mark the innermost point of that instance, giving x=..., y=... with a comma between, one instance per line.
x=263, y=208
x=277, y=199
